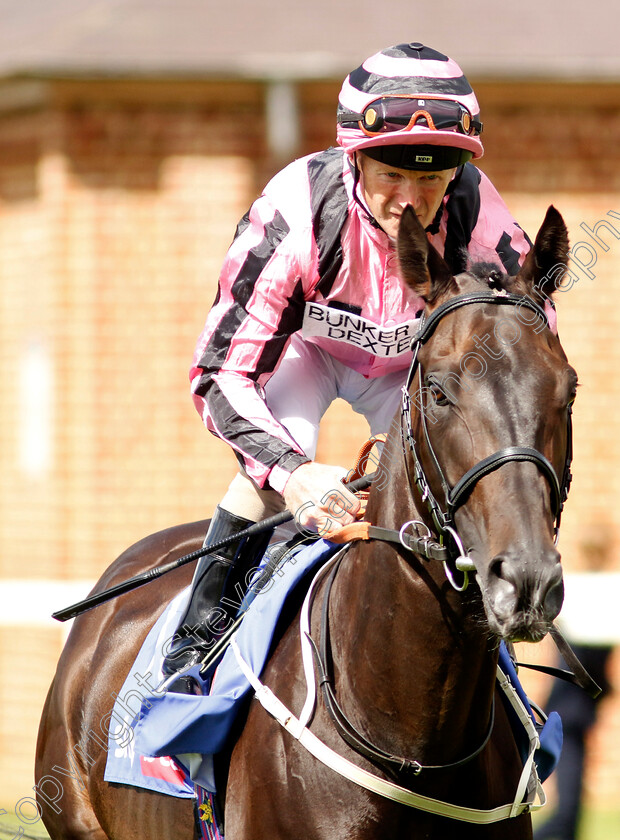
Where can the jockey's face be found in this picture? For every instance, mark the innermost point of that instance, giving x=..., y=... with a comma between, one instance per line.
x=388, y=190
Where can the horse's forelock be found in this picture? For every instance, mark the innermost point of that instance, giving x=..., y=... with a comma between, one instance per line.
x=491, y=275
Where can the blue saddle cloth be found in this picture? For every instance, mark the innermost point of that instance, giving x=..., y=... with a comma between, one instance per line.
x=193, y=729
x=152, y=727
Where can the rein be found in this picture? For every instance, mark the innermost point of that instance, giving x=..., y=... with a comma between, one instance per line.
x=394, y=765
x=529, y=794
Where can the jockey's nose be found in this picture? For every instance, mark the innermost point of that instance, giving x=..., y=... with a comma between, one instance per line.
x=410, y=193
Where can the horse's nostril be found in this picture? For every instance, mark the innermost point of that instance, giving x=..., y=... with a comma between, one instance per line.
x=552, y=592
x=503, y=586
x=505, y=573
x=520, y=590
x=496, y=568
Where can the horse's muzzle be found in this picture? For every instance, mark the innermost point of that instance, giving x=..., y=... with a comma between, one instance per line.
x=522, y=596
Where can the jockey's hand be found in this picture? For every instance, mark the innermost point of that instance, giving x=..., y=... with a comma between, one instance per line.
x=319, y=501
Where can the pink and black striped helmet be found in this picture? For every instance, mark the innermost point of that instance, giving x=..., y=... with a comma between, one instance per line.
x=410, y=106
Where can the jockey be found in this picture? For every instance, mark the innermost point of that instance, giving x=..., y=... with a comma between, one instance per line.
x=310, y=305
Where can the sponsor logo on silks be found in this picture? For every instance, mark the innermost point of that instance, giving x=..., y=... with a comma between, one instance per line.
x=423, y=158
x=162, y=768
x=326, y=322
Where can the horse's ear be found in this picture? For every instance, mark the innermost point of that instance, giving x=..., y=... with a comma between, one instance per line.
x=546, y=263
x=421, y=266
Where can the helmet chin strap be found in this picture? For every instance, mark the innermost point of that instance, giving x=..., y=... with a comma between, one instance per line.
x=357, y=174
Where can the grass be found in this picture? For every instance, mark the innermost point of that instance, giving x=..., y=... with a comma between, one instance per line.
x=10, y=825
x=595, y=825
x=602, y=825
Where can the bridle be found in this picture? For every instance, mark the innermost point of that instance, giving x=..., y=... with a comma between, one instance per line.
x=393, y=765
x=443, y=518
x=454, y=497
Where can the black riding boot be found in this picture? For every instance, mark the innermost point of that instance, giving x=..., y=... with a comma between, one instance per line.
x=219, y=581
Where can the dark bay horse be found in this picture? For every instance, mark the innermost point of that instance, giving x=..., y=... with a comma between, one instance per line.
x=481, y=447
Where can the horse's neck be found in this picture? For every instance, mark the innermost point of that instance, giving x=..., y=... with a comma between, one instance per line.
x=412, y=662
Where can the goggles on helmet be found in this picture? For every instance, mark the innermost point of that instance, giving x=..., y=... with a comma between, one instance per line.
x=402, y=112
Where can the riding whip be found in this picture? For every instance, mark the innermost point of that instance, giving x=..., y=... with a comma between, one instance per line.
x=152, y=574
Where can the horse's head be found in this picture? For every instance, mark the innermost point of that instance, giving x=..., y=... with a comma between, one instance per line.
x=490, y=417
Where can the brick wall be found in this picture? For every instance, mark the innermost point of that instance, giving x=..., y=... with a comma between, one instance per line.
x=108, y=269
x=117, y=204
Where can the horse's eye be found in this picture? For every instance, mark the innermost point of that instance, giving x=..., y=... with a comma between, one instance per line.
x=572, y=396
x=573, y=386
x=438, y=395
